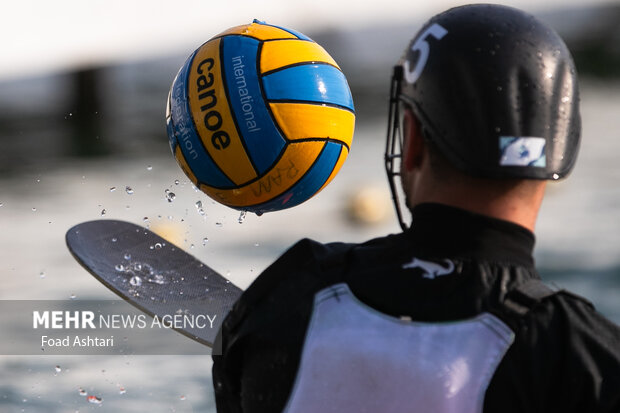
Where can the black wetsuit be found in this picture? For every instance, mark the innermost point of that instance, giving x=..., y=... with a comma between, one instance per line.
x=451, y=265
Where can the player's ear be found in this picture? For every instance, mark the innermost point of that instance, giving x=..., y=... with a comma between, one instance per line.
x=414, y=145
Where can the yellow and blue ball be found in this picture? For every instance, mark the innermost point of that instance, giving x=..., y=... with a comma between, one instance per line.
x=260, y=118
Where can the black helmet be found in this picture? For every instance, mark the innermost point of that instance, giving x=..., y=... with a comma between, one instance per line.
x=494, y=89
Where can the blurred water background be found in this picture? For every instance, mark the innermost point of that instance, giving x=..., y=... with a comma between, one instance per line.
x=88, y=142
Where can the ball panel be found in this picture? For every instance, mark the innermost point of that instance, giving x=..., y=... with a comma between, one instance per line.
x=279, y=53
x=178, y=154
x=304, y=121
x=320, y=83
x=259, y=31
x=296, y=33
x=262, y=139
x=343, y=157
x=296, y=160
x=311, y=183
x=181, y=131
x=213, y=118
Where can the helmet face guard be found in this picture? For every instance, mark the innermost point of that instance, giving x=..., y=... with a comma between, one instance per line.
x=494, y=89
x=394, y=144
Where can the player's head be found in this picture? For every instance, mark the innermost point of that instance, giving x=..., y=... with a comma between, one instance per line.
x=494, y=91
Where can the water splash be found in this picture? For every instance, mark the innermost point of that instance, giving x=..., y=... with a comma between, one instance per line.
x=158, y=279
x=136, y=273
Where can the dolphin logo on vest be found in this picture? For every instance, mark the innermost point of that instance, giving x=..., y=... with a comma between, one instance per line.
x=431, y=269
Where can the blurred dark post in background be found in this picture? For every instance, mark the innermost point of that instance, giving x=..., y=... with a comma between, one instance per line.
x=85, y=113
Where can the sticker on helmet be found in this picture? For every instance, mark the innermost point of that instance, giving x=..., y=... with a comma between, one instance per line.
x=522, y=151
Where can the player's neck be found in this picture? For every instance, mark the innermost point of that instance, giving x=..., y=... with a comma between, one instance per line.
x=519, y=204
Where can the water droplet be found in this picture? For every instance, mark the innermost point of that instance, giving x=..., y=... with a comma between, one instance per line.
x=556, y=176
x=38, y=180
x=112, y=188
x=158, y=246
x=103, y=211
x=1, y=204
x=83, y=392
x=73, y=296
x=169, y=195
x=42, y=274
x=499, y=89
x=58, y=369
x=122, y=390
x=114, y=240
x=129, y=190
x=176, y=181
x=94, y=399
x=158, y=279
x=204, y=241
x=242, y=217
x=198, y=204
x=149, y=168
x=34, y=209
x=259, y=213
x=183, y=398
x=119, y=267
x=498, y=129
x=219, y=224
x=145, y=219
x=127, y=256
x=256, y=244
x=135, y=281
x=191, y=246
